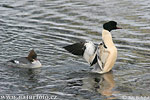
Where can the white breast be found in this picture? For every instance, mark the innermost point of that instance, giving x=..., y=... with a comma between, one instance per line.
x=36, y=64
x=106, y=56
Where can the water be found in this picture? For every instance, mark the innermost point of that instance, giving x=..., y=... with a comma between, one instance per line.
x=48, y=25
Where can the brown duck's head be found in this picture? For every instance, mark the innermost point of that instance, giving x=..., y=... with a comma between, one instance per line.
x=32, y=56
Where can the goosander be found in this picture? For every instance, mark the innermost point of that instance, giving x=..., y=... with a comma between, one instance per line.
x=26, y=62
x=102, y=57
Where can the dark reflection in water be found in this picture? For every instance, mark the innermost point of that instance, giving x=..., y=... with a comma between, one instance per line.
x=107, y=85
x=102, y=84
x=90, y=84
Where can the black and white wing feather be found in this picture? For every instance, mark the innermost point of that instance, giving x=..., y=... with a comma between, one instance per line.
x=85, y=49
x=76, y=48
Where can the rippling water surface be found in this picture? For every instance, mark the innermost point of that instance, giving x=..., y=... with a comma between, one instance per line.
x=47, y=25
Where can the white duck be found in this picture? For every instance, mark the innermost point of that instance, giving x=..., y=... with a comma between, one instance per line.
x=104, y=56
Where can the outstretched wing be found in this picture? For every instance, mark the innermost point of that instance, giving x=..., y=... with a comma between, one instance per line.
x=76, y=48
x=102, y=55
x=85, y=49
